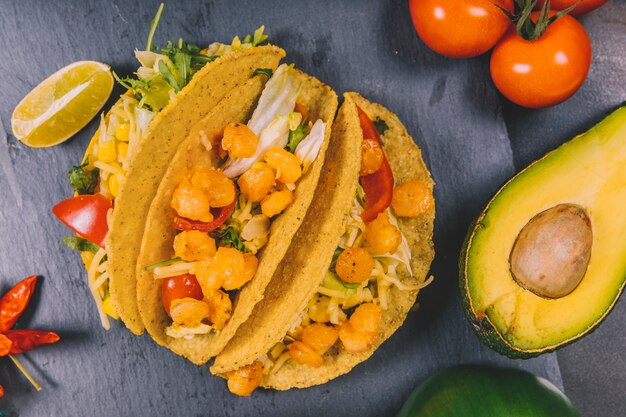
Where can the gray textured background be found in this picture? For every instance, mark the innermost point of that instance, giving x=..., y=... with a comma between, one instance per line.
x=473, y=141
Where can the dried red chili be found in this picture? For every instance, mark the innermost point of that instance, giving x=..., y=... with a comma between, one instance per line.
x=13, y=303
x=26, y=339
x=5, y=345
x=13, y=342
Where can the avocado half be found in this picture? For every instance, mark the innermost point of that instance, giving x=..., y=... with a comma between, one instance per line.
x=588, y=172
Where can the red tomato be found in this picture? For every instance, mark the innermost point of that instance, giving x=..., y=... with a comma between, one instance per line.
x=86, y=215
x=220, y=216
x=378, y=186
x=181, y=286
x=460, y=28
x=546, y=71
x=584, y=6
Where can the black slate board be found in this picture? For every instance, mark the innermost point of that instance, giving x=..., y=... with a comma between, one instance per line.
x=472, y=140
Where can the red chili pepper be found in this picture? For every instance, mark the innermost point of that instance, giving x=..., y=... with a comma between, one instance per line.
x=13, y=342
x=378, y=186
x=13, y=303
x=220, y=215
x=26, y=339
x=5, y=345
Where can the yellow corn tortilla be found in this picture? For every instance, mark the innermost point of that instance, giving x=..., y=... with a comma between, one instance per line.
x=321, y=102
x=312, y=249
x=151, y=158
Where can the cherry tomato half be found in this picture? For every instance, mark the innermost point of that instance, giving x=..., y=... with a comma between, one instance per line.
x=546, y=71
x=86, y=215
x=378, y=186
x=460, y=28
x=182, y=286
x=583, y=6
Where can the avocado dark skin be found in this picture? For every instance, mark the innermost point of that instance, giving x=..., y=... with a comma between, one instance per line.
x=485, y=391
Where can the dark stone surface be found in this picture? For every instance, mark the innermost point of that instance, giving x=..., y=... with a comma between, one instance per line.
x=472, y=139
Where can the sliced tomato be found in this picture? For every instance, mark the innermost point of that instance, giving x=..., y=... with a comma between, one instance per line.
x=86, y=215
x=220, y=215
x=182, y=286
x=378, y=186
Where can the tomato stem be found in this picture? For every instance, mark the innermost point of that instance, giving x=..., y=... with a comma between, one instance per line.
x=25, y=372
x=524, y=25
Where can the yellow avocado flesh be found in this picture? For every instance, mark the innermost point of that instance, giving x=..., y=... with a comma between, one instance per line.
x=589, y=171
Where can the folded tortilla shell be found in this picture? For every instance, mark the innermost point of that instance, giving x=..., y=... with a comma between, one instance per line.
x=311, y=253
x=321, y=102
x=151, y=158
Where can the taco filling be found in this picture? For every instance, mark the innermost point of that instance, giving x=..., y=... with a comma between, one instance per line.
x=97, y=181
x=347, y=308
x=223, y=216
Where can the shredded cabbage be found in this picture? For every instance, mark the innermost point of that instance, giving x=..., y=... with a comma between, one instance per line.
x=308, y=149
x=271, y=119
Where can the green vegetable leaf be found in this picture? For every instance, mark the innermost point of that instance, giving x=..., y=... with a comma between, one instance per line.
x=263, y=71
x=81, y=181
x=381, y=126
x=168, y=76
x=296, y=136
x=80, y=244
x=229, y=237
x=153, y=26
x=163, y=263
x=152, y=94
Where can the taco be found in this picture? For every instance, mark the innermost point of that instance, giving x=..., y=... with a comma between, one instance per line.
x=227, y=208
x=127, y=156
x=355, y=267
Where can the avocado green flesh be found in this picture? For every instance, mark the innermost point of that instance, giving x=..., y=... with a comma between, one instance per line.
x=482, y=391
x=589, y=171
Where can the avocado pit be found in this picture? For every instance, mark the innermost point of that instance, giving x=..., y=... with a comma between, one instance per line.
x=551, y=253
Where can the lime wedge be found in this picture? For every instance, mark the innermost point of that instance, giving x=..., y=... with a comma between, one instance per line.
x=62, y=104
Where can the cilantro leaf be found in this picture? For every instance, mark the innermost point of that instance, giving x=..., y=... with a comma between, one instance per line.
x=81, y=181
x=80, y=244
x=381, y=126
x=296, y=136
x=229, y=237
x=263, y=71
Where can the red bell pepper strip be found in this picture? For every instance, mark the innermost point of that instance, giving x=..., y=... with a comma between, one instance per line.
x=181, y=286
x=378, y=186
x=24, y=340
x=86, y=215
x=13, y=303
x=220, y=215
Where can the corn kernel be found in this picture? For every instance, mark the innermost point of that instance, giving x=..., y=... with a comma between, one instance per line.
x=106, y=151
x=114, y=185
x=122, y=149
x=122, y=131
